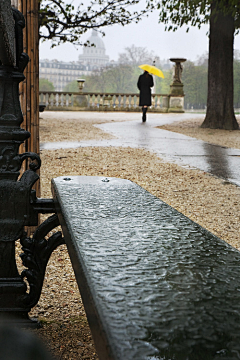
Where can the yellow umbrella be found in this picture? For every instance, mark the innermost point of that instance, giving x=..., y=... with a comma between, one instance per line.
x=152, y=70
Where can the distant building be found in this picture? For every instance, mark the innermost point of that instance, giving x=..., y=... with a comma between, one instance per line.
x=62, y=73
x=94, y=56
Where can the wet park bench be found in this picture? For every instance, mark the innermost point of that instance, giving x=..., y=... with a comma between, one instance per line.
x=155, y=285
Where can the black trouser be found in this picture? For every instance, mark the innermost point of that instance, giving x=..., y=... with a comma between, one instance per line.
x=144, y=110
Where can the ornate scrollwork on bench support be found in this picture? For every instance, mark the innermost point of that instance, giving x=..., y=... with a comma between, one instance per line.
x=37, y=251
x=30, y=155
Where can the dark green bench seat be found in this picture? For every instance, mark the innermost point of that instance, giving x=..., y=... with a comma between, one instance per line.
x=155, y=285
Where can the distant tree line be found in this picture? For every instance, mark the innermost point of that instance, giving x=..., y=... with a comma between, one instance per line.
x=62, y=22
x=122, y=78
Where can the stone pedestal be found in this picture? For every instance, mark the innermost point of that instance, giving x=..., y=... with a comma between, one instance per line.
x=176, y=89
x=176, y=101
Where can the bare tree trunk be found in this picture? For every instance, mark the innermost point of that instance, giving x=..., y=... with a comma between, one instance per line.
x=29, y=88
x=220, y=112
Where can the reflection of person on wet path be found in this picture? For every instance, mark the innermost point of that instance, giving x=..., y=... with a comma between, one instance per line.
x=144, y=84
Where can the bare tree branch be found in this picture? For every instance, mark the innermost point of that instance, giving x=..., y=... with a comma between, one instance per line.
x=60, y=22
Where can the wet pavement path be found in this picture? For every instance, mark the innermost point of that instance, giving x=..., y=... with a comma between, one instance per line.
x=183, y=150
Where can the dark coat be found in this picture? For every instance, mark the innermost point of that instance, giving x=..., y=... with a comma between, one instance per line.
x=144, y=84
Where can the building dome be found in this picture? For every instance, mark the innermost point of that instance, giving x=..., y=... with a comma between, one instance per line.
x=95, y=39
x=94, y=56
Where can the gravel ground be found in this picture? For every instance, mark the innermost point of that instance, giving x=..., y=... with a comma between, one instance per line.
x=219, y=137
x=207, y=200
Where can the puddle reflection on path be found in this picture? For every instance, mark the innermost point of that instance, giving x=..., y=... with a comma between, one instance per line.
x=174, y=147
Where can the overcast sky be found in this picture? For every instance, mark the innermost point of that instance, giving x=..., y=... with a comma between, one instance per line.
x=147, y=33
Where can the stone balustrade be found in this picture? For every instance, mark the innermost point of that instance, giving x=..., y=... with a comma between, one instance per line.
x=95, y=101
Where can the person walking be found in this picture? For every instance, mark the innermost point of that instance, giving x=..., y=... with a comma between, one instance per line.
x=144, y=84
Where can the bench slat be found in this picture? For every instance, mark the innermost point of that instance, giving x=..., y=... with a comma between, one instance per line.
x=155, y=285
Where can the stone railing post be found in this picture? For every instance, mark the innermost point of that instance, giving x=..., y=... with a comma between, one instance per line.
x=176, y=97
x=165, y=103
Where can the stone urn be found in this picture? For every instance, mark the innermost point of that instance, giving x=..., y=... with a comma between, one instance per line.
x=81, y=84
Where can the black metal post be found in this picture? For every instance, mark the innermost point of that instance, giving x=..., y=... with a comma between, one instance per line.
x=19, y=206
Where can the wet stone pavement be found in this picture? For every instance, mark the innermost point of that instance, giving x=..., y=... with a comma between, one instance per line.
x=183, y=150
